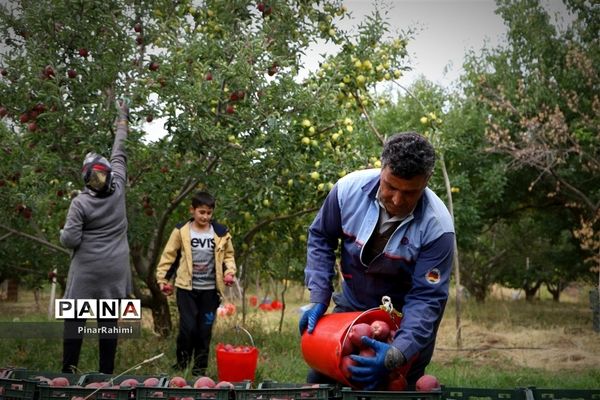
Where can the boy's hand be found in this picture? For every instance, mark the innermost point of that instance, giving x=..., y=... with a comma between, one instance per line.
x=229, y=279
x=166, y=288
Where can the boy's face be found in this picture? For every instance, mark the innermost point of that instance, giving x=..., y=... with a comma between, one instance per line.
x=202, y=216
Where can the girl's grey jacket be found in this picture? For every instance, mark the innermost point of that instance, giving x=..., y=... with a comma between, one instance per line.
x=96, y=231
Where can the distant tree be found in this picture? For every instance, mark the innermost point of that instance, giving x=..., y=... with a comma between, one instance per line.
x=540, y=93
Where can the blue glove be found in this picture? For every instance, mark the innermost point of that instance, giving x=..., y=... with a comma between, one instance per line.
x=311, y=316
x=374, y=370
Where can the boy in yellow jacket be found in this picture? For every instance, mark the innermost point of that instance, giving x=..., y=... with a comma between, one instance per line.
x=199, y=256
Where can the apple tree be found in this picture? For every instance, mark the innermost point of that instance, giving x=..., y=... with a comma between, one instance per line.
x=225, y=80
x=540, y=94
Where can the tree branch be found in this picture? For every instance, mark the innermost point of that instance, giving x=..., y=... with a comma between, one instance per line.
x=36, y=239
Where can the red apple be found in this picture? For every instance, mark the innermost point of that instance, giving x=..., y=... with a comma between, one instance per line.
x=71, y=73
x=149, y=118
x=230, y=109
x=48, y=71
x=32, y=126
x=83, y=52
x=3, y=71
x=137, y=27
x=398, y=383
x=139, y=40
x=381, y=330
x=177, y=381
x=130, y=382
x=40, y=107
x=357, y=331
x=427, y=383
x=272, y=69
x=367, y=352
x=347, y=362
x=224, y=384
x=153, y=66
x=3, y=112
x=204, y=382
x=23, y=118
x=151, y=382
x=229, y=279
x=60, y=381
x=167, y=289
x=208, y=76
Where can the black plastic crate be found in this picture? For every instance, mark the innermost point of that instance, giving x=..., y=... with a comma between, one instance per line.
x=17, y=389
x=461, y=393
x=34, y=375
x=116, y=380
x=4, y=372
x=350, y=394
x=79, y=393
x=565, y=394
x=158, y=393
x=270, y=390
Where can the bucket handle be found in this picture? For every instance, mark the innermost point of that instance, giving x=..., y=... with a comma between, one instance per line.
x=388, y=307
x=239, y=328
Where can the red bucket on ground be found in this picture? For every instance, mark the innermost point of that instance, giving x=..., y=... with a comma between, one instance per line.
x=322, y=349
x=236, y=363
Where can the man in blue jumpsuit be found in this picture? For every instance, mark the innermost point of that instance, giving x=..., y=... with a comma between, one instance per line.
x=397, y=240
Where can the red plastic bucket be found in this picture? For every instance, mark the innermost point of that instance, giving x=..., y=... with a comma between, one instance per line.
x=236, y=363
x=322, y=349
x=236, y=366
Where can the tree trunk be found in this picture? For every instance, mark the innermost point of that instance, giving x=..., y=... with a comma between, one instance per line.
x=530, y=291
x=161, y=315
x=455, y=257
x=555, y=290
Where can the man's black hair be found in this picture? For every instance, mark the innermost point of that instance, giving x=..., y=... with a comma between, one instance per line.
x=408, y=154
x=201, y=198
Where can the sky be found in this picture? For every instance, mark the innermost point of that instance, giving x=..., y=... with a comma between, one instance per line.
x=444, y=31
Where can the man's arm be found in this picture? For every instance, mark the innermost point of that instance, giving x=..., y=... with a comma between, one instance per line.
x=425, y=302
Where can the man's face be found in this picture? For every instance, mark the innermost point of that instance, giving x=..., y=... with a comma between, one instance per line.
x=400, y=196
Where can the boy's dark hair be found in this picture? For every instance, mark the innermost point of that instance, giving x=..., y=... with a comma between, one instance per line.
x=201, y=198
x=408, y=154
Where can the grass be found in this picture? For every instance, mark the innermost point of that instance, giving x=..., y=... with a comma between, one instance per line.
x=506, y=344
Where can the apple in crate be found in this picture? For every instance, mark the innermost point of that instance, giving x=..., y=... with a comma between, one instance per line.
x=129, y=382
x=204, y=382
x=224, y=385
x=59, y=381
x=427, y=383
x=177, y=381
x=151, y=382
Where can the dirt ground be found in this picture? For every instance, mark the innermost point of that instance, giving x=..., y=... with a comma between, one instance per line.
x=553, y=348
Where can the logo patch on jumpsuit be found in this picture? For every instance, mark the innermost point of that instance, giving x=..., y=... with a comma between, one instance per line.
x=433, y=276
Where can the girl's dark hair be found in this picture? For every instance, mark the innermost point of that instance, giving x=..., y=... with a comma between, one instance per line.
x=201, y=198
x=408, y=154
